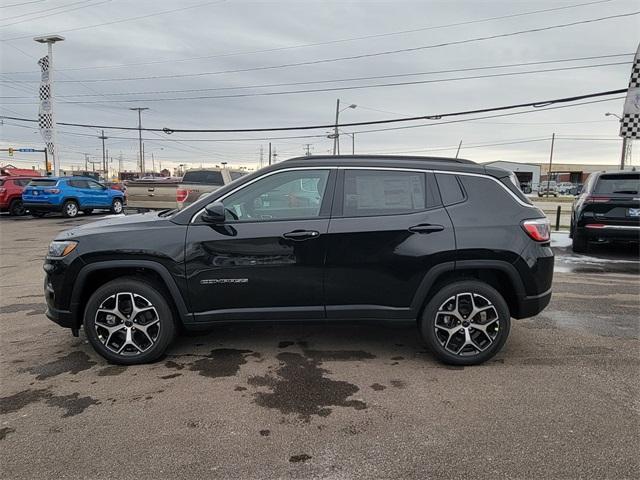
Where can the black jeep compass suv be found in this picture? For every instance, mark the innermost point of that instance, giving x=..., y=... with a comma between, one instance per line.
x=448, y=244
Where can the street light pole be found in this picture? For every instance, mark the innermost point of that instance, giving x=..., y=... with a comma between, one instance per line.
x=50, y=40
x=140, y=109
x=623, y=153
x=336, y=135
x=104, y=156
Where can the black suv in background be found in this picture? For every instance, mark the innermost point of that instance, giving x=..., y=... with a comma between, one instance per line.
x=608, y=209
x=446, y=244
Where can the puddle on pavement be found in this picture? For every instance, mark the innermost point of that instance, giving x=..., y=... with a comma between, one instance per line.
x=72, y=363
x=73, y=404
x=222, y=362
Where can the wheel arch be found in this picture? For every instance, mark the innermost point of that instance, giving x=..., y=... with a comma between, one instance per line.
x=500, y=275
x=94, y=275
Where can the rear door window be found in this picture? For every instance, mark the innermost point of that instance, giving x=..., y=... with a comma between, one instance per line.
x=204, y=176
x=618, y=184
x=383, y=192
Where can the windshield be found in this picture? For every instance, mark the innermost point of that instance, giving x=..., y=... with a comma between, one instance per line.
x=624, y=184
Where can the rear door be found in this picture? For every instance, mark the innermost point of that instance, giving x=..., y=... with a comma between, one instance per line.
x=388, y=228
x=266, y=260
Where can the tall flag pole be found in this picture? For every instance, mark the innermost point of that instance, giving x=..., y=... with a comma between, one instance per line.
x=630, y=122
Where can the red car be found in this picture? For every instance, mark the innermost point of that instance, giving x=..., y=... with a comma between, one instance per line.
x=11, y=194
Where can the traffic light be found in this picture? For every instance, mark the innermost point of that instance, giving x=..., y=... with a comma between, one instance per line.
x=10, y=152
x=48, y=167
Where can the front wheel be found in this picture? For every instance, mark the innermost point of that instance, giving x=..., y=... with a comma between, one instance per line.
x=70, y=209
x=128, y=321
x=466, y=323
x=116, y=206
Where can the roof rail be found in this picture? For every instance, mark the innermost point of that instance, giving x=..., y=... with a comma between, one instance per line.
x=384, y=157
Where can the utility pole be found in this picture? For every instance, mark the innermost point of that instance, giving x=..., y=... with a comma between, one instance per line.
x=153, y=162
x=140, y=109
x=144, y=167
x=104, y=156
x=336, y=143
x=275, y=155
x=119, y=164
x=553, y=138
x=307, y=147
x=86, y=161
x=269, y=153
x=261, y=155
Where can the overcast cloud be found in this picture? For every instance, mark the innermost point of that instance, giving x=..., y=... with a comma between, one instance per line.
x=218, y=29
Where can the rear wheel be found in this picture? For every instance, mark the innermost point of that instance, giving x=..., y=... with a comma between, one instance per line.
x=116, y=206
x=466, y=323
x=128, y=321
x=70, y=209
x=580, y=243
x=16, y=208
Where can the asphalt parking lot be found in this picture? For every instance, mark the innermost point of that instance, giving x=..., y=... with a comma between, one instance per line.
x=562, y=400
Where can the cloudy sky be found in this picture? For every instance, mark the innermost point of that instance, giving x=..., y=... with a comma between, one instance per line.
x=186, y=60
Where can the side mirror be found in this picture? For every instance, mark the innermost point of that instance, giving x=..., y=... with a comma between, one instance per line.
x=214, y=213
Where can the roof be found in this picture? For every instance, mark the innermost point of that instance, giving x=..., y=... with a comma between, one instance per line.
x=418, y=162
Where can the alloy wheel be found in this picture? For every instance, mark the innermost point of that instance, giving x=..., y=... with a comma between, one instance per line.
x=127, y=324
x=467, y=324
x=71, y=209
x=117, y=206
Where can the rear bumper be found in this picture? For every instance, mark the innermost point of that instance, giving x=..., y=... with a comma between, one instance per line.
x=530, y=306
x=42, y=207
x=612, y=232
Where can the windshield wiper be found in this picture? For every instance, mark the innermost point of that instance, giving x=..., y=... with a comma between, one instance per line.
x=631, y=192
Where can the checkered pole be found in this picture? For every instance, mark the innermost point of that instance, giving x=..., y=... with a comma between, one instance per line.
x=630, y=121
x=46, y=118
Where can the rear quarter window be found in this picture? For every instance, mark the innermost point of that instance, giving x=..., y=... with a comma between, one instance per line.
x=450, y=188
x=203, y=176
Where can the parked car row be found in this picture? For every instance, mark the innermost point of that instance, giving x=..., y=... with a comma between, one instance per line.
x=553, y=188
x=67, y=195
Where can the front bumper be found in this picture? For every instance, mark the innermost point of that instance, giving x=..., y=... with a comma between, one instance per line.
x=64, y=318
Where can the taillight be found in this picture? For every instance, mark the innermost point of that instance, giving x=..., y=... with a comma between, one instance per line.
x=538, y=229
x=54, y=191
x=182, y=194
x=597, y=199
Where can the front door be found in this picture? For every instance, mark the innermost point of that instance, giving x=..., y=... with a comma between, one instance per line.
x=266, y=261
x=99, y=194
x=388, y=230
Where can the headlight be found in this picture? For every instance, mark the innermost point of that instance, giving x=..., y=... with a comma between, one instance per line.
x=62, y=248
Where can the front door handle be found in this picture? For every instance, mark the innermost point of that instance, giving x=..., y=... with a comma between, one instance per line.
x=426, y=228
x=301, y=235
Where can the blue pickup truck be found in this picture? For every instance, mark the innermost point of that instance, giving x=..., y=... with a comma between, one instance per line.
x=70, y=195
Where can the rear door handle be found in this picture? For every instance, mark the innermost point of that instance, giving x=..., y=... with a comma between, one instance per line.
x=426, y=228
x=301, y=234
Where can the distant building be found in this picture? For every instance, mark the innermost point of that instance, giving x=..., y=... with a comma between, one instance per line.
x=528, y=174
x=11, y=171
x=573, y=172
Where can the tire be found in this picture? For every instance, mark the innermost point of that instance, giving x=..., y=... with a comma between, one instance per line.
x=38, y=214
x=70, y=209
x=87, y=211
x=16, y=208
x=122, y=339
x=580, y=243
x=117, y=206
x=454, y=348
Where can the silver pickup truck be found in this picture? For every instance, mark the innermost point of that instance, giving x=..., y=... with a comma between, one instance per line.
x=169, y=193
x=196, y=183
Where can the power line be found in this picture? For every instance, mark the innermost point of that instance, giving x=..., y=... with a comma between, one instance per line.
x=536, y=104
x=332, y=42
x=331, y=89
x=360, y=56
x=21, y=4
x=123, y=20
x=51, y=14
x=339, y=80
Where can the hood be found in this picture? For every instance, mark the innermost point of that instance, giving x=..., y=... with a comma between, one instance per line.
x=115, y=223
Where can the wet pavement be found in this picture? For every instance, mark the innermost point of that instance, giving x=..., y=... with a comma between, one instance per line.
x=562, y=400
